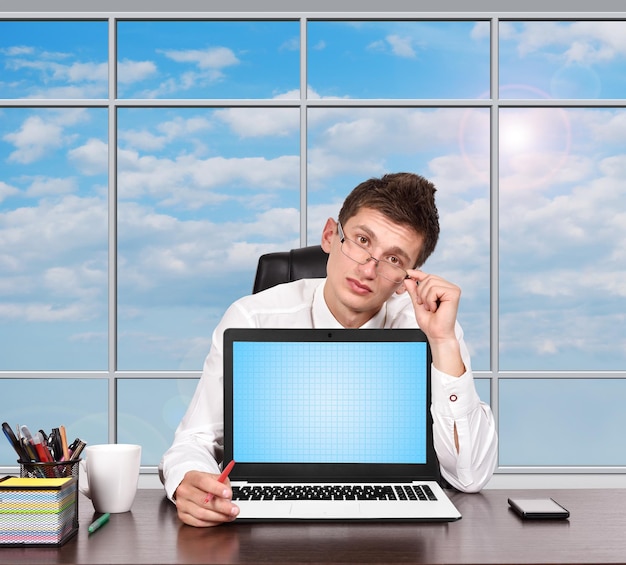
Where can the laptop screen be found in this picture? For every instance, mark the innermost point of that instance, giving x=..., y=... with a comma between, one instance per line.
x=327, y=400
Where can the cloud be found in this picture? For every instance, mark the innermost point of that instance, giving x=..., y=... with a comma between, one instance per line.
x=76, y=71
x=482, y=30
x=363, y=140
x=401, y=46
x=260, y=122
x=42, y=187
x=191, y=182
x=91, y=158
x=209, y=58
x=396, y=45
x=61, y=76
x=582, y=42
x=292, y=44
x=82, y=72
x=43, y=133
x=134, y=71
x=54, y=256
x=17, y=50
x=158, y=249
x=6, y=190
x=34, y=139
x=41, y=312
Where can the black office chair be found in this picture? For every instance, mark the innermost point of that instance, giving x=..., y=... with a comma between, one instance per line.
x=286, y=266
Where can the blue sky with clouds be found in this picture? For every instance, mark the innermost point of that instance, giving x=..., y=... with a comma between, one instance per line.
x=203, y=191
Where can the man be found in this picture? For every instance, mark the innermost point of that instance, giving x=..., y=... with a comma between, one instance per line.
x=386, y=229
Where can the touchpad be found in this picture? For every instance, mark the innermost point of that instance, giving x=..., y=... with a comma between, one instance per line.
x=312, y=509
x=261, y=510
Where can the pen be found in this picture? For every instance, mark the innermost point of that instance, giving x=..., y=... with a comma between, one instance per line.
x=17, y=445
x=99, y=522
x=27, y=443
x=221, y=478
x=66, y=455
x=77, y=450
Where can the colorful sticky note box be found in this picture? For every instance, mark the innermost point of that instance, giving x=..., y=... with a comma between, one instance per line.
x=38, y=511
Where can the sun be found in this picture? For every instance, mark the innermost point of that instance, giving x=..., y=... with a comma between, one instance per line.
x=518, y=135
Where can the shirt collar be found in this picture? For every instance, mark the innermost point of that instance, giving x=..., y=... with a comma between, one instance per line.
x=323, y=318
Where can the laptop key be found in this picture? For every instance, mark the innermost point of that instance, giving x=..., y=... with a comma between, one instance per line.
x=429, y=493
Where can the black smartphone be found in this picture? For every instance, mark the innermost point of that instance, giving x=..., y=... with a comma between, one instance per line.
x=538, y=508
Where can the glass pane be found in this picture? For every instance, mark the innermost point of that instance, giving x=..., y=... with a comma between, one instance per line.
x=42, y=404
x=202, y=193
x=569, y=60
x=54, y=59
x=448, y=146
x=208, y=59
x=537, y=426
x=562, y=239
x=398, y=59
x=53, y=236
x=483, y=387
x=150, y=419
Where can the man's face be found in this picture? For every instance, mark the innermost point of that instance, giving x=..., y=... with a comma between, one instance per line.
x=355, y=292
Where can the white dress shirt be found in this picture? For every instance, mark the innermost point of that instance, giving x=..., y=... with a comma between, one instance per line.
x=198, y=442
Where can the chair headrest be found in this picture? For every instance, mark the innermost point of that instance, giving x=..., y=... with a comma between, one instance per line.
x=286, y=266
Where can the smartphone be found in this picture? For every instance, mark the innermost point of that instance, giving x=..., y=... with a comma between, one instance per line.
x=538, y=508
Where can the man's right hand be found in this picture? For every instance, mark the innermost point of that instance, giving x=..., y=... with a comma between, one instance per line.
x=193, y=507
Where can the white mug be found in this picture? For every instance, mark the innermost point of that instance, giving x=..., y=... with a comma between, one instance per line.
x=111, y=476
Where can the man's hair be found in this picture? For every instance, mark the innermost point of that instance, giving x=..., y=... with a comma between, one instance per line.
x=406, y=199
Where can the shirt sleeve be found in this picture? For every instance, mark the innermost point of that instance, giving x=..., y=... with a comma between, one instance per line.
x=199, y=439
x=455, y=402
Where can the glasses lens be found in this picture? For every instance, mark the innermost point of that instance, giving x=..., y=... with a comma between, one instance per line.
x=361, y=255
x=355, y=251
x=391, y=272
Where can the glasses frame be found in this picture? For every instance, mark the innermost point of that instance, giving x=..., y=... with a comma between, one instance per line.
x=370, y=257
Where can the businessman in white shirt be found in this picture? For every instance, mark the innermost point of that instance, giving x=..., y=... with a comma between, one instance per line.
x=386, y=229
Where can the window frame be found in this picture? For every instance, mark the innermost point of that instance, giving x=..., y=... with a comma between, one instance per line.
x=494, y=376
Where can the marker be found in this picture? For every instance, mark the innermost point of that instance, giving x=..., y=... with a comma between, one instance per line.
x=221, y=479
x=97, y=524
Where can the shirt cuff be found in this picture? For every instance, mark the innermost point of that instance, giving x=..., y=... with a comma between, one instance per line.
x=452, y=396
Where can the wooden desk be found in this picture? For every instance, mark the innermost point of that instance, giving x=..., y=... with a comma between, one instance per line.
x=488, y=533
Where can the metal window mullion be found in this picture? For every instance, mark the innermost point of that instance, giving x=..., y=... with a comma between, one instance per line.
x=494, y=259
x=112, y=235
x=303, y=132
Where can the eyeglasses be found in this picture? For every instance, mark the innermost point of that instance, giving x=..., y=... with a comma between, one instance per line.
x=386, y=269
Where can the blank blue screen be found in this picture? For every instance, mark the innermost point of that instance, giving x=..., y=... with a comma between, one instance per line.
x=347, y=402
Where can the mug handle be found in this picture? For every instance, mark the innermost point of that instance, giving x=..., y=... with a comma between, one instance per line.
x=83, y=484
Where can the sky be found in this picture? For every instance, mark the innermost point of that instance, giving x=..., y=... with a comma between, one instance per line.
x=202, y=192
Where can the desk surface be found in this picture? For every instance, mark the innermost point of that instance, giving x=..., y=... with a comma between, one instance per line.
x=488, y=533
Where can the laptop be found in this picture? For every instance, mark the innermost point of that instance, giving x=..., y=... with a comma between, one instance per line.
x=331, y=425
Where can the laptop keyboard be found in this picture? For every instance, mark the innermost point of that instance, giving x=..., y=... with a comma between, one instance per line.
x=334, y=492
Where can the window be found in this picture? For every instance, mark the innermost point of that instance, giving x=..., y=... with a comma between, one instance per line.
x=148, y=161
